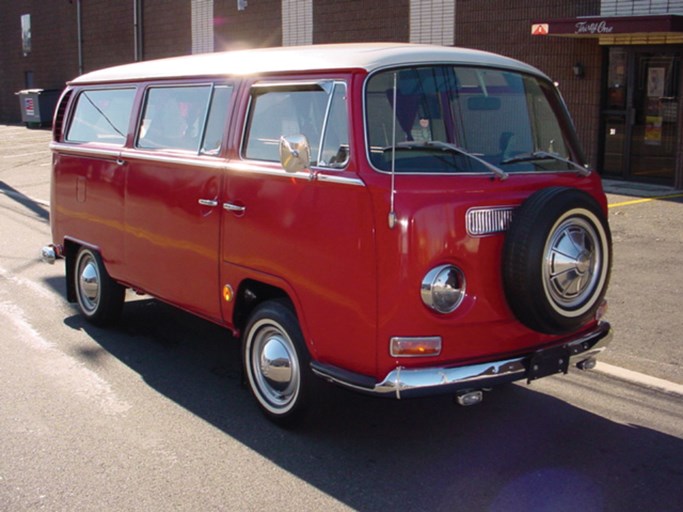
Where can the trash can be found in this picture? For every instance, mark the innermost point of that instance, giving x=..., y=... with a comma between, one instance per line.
x=37, y=106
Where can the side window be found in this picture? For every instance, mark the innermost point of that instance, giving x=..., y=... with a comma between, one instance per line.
x=215, y=124
x=316, y=111
x=101, y=115
x=173, y=117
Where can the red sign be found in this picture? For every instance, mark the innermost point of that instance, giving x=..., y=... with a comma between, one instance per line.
x=539, y=29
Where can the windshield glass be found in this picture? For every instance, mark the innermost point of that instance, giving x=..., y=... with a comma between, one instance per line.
x=502, y=118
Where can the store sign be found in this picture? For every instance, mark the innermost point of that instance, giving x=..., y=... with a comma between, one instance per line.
x=593, y=27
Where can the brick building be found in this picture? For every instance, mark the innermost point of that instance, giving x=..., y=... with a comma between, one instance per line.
x=617, y=61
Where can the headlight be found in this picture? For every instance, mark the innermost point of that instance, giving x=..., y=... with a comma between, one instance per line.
x=443, y=288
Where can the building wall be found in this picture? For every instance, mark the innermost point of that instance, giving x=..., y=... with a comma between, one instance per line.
x=108, y=39
x=166, y=28
x=54, y=50
x=345, y=21
x=259, y=25
x=107, y=33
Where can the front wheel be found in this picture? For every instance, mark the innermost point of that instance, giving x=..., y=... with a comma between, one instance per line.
x=99, y=297
x=276, y=362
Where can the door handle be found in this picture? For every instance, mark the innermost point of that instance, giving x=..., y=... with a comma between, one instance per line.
x=234, y=208
x=208, y=202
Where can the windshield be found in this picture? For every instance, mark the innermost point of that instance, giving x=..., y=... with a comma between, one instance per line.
x=504, y=119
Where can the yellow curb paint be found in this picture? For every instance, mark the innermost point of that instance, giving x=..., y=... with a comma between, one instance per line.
x=645, y=200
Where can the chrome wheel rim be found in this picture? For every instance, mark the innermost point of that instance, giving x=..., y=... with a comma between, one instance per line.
x=88, y=283
x=274, y=367
x=573, y=263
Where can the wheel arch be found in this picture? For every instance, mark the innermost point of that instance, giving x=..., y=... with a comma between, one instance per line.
x=253, y=292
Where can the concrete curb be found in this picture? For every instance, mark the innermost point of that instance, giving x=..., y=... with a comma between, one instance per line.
x=639, y=379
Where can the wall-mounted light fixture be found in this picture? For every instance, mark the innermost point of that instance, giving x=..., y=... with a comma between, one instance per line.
x=579, y=72
x=241, y=5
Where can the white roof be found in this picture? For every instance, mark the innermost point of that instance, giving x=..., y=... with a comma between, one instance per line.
x=367, y=56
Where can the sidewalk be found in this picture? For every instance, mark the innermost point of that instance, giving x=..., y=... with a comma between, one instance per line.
x=628, y=188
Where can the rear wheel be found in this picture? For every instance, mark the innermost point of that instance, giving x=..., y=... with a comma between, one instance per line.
x=276, y=362
x=99, y=297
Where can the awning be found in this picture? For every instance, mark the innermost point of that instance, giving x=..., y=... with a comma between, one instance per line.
x=654, y=29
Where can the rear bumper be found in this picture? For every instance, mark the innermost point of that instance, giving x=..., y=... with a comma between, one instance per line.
x=404, y=383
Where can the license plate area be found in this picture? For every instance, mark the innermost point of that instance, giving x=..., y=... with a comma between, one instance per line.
x=548, y=362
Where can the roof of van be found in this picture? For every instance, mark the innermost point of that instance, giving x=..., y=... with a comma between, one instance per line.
x=367, y=56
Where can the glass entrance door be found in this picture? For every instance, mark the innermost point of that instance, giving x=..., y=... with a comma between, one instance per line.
x=640, y=114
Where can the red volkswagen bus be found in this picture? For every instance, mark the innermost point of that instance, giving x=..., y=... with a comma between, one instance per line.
x=399, y=219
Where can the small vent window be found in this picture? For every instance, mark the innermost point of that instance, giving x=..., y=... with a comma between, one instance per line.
x=59, y=118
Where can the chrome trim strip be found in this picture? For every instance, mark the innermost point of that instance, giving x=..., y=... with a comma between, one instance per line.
x=341, y=180
x=77, y=149
x=484, y=220
x=191, y=159
x=302, y=175
x=404, y=382
x=202, y=161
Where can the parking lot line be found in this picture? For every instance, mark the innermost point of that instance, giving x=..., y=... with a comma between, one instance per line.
x=644, y=200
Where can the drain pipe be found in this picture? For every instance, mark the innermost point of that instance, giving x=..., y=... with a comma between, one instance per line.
x=137, y=30
x=79, y=32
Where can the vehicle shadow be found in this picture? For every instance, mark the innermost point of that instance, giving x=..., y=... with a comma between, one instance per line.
x=519, y=450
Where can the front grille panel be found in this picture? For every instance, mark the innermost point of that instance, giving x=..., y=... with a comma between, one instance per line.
x=488, y=221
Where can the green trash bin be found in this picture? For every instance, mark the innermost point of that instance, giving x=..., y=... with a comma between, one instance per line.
x=37, y=106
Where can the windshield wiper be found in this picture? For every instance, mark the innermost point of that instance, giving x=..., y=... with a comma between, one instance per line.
x=544, y=155
x=446, y=146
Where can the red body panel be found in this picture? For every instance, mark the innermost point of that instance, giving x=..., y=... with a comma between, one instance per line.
x=173, y=239
x=430, y=231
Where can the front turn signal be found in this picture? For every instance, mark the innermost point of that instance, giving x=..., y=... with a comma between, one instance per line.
x=415, y=347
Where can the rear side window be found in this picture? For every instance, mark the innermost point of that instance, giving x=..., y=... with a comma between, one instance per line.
x=190, y=118
x=317, y=111
x=102, y=115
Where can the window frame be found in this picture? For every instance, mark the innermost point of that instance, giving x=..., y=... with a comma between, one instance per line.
x=206, y=111
x=266, y=86
x=549, y=91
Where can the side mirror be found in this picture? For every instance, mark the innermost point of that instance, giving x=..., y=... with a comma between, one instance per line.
x=295, y=153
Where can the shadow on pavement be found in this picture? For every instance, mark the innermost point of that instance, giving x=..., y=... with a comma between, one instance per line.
x=518, y=450
x=40, y=210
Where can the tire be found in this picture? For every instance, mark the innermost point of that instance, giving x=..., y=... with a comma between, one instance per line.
x=557, y=260
x=277, y=363
x=100, y=298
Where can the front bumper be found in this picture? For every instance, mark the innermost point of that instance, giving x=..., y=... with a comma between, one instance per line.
x=405, y=382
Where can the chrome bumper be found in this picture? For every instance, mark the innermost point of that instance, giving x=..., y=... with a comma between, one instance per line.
x=404, y=382
x=48, y=254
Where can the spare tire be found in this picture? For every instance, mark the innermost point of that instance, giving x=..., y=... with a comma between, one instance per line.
x=557, y=259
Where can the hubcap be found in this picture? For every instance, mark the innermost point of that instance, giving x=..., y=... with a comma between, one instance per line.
x=572, y=264
x=275, y=367
x=89, y=284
